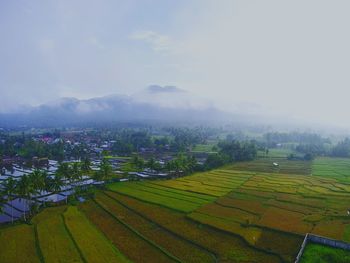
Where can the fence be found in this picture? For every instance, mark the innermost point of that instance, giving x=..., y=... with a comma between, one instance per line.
x=320, y=240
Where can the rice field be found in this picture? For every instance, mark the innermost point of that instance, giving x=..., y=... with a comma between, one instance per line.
x=316, y=253
x=246, y=212
x=54, y=240
x=18, y=244
x=93, y=245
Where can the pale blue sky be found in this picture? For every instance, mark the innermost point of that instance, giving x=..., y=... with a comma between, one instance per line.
x=290, y=57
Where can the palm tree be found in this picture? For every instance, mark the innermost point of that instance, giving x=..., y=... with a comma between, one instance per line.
x=55, y=184
x=138, y=162
x=105, y=171
x=9, y=189
x=76, y=174
x=86, y=165
x=38, y=179
x=25, y=190
x=3, y=201
x=64, y=171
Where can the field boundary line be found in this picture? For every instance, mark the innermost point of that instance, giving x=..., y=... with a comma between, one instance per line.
x=238, y=208
x=168, y=189
x=148, y=202
x=195, y=192
x=37, y=245
x=139, y=234
x=164, y=195
x=311, y=238
x=213, y=254
x=238, y=236
x=71, y=236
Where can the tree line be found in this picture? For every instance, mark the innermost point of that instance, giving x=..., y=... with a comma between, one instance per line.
x=34, y=184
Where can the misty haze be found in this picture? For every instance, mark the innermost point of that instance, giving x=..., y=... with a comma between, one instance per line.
x=174, y=131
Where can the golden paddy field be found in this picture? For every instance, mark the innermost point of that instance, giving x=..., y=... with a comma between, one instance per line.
x=247, y=212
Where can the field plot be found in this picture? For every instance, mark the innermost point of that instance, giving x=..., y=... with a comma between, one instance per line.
x=160, y=197
x=269, y=211
x=277, y=152
x=290, y=203
x=54, y=240
x=18, y=245
x=180, y=248
x=227, y=247
x=215, y=183
x=257, y=214
x=316, y=253
x=336, y=168
x=266, y=165
x=127, y=241
x=93, y=245
x=184, y=194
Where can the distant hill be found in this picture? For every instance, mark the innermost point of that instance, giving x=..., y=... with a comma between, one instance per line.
x=156, y=103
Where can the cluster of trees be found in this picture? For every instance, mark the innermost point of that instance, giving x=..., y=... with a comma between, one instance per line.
x=35, y=183
x=341, y=149
x=181, y=164
x=31, y=148
x=27, y=147
x=231, y=151
x=273, y=138
x=126, y=142
x=177, y=139
x=28, y=186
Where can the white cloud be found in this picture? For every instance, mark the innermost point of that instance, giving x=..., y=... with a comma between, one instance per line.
x=158, y=42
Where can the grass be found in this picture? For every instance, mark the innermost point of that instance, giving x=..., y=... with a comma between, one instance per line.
x=18, y=244
x=91, y=242
x=316, y=253
x=54, y=240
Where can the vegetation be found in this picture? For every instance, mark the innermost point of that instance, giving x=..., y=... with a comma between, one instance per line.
x=248, y=203
x=54, y=239
x=18, y=244
x=231, y=151
x=316, y=253
x=92, y=244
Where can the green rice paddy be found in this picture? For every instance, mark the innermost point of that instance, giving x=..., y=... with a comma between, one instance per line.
x=245, y=212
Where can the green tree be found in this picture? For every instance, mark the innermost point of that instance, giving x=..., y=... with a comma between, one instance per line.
x=105, y=171
x=64, y=171
x=76, y=174
x=138, y=162
x=25, y=190
x=55, y=184
x=86, y=165
x=38, y=180
x=9, y=186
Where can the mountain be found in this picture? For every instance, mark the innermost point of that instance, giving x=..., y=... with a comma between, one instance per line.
x=155, y=103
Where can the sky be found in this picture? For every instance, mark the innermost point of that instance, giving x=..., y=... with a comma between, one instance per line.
x=289, y=58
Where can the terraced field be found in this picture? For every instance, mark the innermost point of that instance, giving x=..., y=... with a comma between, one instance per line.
x=315, y=253
x=266, y=165
x=336, y=168
x=226, y=215
x=18, y=244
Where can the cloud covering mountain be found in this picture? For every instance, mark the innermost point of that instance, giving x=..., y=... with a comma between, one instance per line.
x=155, y=103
